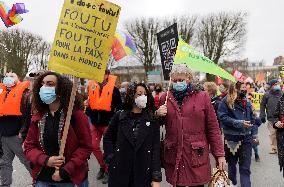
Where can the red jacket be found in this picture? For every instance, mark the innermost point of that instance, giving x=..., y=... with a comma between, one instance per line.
x=189, y=132
x=77, y=150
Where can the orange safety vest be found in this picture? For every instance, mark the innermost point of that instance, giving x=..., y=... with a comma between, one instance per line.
x=101, y=100
x=10, y=105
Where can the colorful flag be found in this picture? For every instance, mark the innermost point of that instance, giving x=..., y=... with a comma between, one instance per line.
x=186, y=54
x=239, y=76
x=218, y=80
x=248, y=80
x=12, y=16
x=260, y=77
x=122, y=46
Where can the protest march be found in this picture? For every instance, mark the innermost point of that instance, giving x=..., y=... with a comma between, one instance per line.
x=118, y=93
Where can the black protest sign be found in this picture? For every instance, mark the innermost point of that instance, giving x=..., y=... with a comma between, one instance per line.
x=168, y=42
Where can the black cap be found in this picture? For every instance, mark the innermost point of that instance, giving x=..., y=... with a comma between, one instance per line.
x=37, y=73
x=272, y=82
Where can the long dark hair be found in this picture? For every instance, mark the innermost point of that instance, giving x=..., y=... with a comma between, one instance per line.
x=131, y=91
x=233, y=90
x=63, y=92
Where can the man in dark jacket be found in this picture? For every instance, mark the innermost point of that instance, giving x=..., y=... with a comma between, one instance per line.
x=267, y=110
x=279, y=126
x=101, y=114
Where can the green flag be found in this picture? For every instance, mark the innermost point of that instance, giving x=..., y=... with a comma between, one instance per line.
x=194, y=60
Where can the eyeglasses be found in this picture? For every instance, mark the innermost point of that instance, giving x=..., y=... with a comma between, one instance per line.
x=178, y=80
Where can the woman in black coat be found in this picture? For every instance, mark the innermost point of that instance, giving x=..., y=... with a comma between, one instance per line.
x=132, y=143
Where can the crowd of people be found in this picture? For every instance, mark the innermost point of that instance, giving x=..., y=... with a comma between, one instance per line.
x=198, y=119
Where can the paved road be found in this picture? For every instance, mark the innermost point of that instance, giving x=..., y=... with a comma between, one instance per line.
x=264, y=174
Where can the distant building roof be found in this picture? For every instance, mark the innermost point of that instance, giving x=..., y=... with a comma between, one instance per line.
x=278, y=61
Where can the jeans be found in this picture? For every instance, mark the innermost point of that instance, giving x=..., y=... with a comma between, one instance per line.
x=85, y=183
x=53, y=184
x=12, y=146
x=244, y=165
x=97, y=134
x=192, y=186
x=255, y=149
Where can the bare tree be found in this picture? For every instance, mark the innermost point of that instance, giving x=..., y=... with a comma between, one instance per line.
x=143, y=32
x=40, y=58
x=25, y=49
x=222, y=34
x=186, y=26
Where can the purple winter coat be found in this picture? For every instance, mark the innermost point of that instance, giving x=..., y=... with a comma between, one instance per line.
x=189, y=132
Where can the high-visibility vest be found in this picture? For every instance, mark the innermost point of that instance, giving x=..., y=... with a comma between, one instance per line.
x=101, y=100
x=10, y=103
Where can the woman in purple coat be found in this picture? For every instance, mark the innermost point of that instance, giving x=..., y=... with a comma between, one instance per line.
x=191, y=126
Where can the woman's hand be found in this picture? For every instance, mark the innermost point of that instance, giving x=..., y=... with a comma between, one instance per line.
x=55, y=161
x=279, y=124
x=155, y=184
x=247, y=124
x=221, y=163
x=162, y=111
x=86, y=103
x=56, y=176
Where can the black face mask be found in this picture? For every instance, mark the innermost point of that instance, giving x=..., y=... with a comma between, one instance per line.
x=243, y=94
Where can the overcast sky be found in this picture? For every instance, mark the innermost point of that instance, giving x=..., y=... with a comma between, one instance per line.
x=265, y=22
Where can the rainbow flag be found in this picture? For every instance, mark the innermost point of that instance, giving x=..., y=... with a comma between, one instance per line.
x=122, y=46
x=12, y=16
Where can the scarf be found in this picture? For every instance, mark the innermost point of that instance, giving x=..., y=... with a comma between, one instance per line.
x=180, y=95
x=41, y=125
x=241, y=102
x=223, y=95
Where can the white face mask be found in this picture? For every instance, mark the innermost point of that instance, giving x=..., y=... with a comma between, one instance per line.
x=141, y=101
x=122, y=90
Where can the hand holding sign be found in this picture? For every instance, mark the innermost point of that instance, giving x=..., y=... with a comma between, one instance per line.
x=81, y=48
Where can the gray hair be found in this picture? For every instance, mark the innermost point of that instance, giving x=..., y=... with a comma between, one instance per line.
x=181, y=69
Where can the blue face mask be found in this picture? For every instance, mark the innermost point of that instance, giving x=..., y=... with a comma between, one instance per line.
x=9, y=82
x=277, y=88
x=47, y=94
x=180, y=86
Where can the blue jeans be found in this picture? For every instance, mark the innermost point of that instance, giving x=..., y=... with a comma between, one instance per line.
x=53, y=184
x=255, y=148
x=85, y=183
x=244, y=165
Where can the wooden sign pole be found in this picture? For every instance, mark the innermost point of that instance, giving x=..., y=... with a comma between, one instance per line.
x=167, y=96
x=68, y=116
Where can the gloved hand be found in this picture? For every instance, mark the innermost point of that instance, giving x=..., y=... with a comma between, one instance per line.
x=263, y=120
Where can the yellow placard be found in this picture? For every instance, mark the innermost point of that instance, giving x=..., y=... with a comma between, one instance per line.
x=83, y=38
x=256, y=100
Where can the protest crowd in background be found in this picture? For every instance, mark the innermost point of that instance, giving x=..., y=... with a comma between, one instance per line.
x=172, y=126
x=125, y=111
